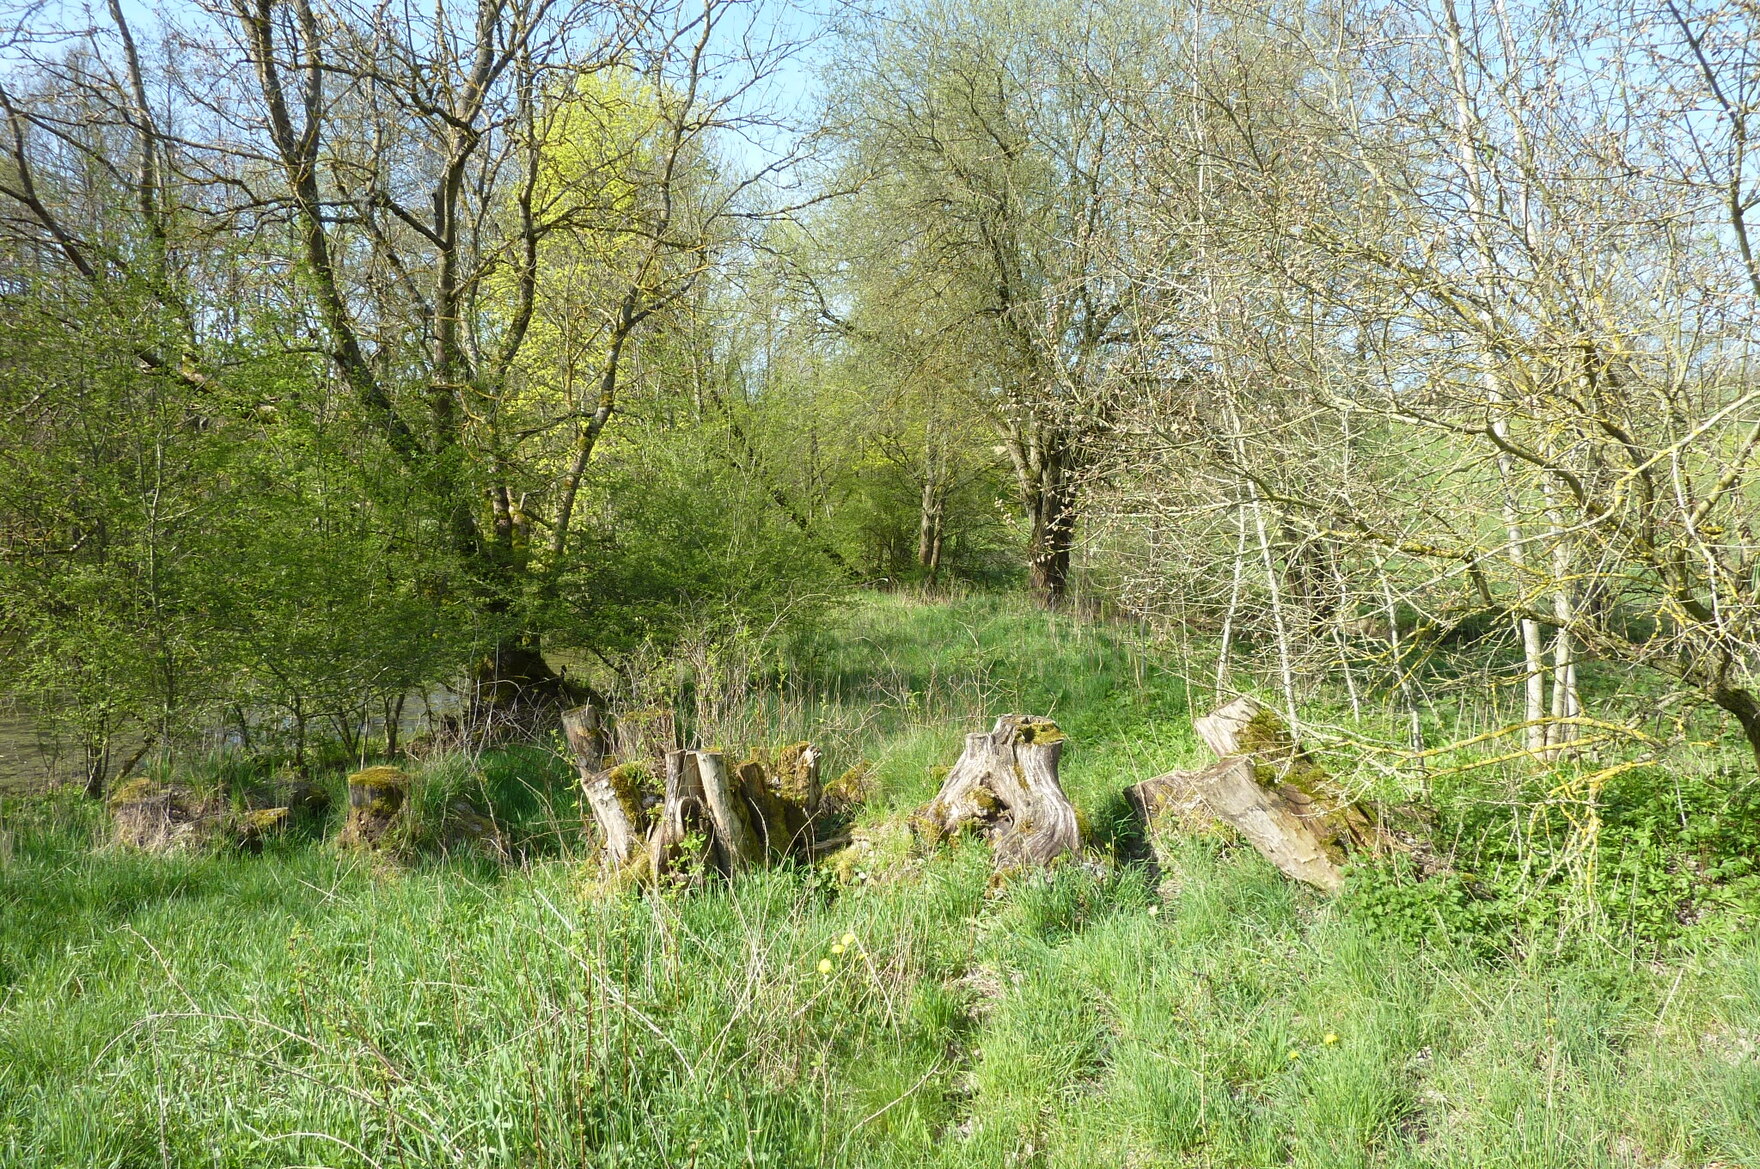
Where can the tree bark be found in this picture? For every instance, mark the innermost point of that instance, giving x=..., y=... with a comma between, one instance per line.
x=1006, y=783
x=610, y=792
x=1272, y=792
x=1745, y=708
x=741, y=845
x=1051, y=540
x=683, y=814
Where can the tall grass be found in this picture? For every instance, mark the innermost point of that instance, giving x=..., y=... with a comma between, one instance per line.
x=306, y=1008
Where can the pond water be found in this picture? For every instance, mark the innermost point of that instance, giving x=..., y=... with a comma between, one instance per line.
x=27, y=762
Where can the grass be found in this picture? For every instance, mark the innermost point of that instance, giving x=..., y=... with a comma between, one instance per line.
x=303, y=1008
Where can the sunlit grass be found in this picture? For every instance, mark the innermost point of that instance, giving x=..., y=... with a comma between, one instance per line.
x=304, y=1008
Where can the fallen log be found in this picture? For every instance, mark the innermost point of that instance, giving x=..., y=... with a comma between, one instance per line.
x=1005, y=784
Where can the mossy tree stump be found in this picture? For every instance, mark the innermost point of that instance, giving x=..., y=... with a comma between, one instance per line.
x=735, y=817
x=1271, y=791
x=166, y=817
x=376, y=798
x=1005, y=784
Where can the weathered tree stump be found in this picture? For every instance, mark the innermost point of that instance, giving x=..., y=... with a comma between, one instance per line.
x=742, y=817
x=1005, y=784
x=376, y=798
x=173, y=817
x=1269, y=790
x=741, y=847
x=610, y=792
x=681, y=817
x=1247, y=728
x=166, y=817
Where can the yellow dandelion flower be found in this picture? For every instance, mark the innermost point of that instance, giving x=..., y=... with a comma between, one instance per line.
x=837, y=947
x=1331, y=1038
x=1294, y=1054
x=847, y=940
x=824, y=966
x=1154, y=910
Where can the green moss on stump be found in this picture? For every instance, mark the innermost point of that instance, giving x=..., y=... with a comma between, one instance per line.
x=1039, y=731
x=376, y=798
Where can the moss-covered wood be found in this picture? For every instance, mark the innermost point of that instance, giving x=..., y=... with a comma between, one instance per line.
x=691, y=812
x=1005, y=785
x=1274, y=793
x=376, y=798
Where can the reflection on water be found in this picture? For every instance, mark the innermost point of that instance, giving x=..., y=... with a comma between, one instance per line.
x=32, y=760
x=28, y=761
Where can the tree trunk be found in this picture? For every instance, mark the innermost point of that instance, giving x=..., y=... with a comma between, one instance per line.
x=1006, y=783
x=1741, y=704
x=513, y=687
x=929, y=528
x=1049, y=545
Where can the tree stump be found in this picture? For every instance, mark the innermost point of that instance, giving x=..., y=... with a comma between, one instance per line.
x=1005, y=784
x=741, y=846
x=1247, y=728
x=683, y=816
x=612, y=793
x=743, y=816
x=166, y=817
x=1269, y=790
x=376, y=798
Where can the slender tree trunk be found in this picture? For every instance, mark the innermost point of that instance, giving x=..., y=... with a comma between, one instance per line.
x=929, y=527
x=1052, y=538
x=1565, y=702
x=1468, y=145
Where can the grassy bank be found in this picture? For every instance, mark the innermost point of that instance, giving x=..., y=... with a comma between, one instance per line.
x=302, y=1008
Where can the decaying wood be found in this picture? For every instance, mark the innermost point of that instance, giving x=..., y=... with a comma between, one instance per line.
x=1005, y=783
x=1233, y=791
x=1255, y=731
x=741, y=846
x=609, y=791
x=376, y=798
x=173, y=817
x=681, y=816
x=1271, y=791
x=1173, y=797
x=742, y=816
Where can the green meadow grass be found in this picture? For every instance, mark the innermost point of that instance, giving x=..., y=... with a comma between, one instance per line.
x=303, y=1008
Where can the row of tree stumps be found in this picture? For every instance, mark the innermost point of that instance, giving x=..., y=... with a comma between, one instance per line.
x=666, y=812
x=669, y=814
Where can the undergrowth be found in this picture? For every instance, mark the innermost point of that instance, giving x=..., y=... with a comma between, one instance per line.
x=304, y=1007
